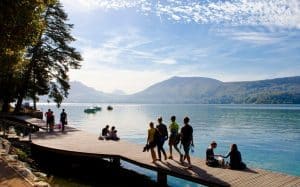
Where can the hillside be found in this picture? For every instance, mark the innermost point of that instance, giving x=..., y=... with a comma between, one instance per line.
x=198, y=90
x=206, y=90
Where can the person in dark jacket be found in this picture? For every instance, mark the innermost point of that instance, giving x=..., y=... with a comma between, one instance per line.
x=187, y=139
x=161, y=137
x=63, y=119
x=235, y=158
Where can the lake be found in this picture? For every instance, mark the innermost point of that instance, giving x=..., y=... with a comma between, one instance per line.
x=268, y=136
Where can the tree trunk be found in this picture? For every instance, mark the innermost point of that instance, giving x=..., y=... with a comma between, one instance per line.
x=19, y=103
x=24, y=87
x=34, y=104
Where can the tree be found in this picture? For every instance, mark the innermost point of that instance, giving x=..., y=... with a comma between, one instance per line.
x=50, y=59
x=20, y=22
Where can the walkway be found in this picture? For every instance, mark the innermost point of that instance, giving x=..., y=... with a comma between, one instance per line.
x=78, y=142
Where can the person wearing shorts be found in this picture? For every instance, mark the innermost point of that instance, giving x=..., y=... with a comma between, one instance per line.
x=174, y=138
x=187, y=139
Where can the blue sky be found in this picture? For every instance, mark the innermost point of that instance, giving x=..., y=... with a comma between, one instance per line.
x=130, y=44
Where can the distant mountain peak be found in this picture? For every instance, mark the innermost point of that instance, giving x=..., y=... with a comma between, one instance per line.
x=179, y=89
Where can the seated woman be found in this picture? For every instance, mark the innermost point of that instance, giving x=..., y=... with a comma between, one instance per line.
x=112, y=135
x=235, y=158
x=211, y=157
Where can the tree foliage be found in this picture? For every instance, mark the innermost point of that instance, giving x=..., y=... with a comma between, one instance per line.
x=35, y=52
x=20, y=22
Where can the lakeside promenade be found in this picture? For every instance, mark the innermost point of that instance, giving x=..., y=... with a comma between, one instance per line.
x=81, y=143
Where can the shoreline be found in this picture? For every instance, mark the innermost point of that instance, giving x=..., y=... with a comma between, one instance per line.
x=9, y=177
x=70, y=171
x=80, y=140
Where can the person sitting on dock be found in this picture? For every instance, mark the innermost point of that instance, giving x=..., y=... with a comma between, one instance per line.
x=112, y=135
x=104, y=133
x=211, y=157
x=235, y=158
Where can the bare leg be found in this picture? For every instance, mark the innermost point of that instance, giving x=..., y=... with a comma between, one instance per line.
x=177, y=149
x=170, y=157
x=153, y=155
x=188, y=159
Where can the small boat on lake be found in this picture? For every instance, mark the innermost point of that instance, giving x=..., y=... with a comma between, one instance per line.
x=97, y=108
x=90, y=110
x=109, y=107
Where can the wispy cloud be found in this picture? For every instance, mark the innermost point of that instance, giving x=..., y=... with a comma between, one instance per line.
x=125, y=48
x=254, y=37
x=269, y=13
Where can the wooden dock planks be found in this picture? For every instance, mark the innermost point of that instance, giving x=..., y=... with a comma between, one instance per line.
x=75, y=141
x=79, y=141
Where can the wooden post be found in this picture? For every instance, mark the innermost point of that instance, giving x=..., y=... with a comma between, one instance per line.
x=162, y=178
x=29, y=135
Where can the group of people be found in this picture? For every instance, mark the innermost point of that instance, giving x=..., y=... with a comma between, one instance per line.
x=50, y=120
x=235, y=158
x=184, y=136
x=159, y=134
x=109, y=134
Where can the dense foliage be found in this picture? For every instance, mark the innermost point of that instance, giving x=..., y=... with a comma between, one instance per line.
x=35, y=52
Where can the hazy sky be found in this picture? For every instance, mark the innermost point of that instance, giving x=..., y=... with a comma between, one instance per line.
x=131, y=44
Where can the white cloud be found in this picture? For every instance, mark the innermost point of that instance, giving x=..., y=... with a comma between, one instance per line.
x=270, y=13
x=166, y=61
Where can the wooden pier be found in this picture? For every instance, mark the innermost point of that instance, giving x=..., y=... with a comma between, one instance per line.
x=77, y=142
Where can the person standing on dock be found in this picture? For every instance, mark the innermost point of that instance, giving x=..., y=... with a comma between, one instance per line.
x=51, y=121
x=63, y=119
x=174, y=137
x=48, y=115
x=162, y=137
x=151, y=140
x=187, y=139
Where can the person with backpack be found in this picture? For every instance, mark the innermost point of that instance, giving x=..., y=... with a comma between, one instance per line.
x=161, y=137
x=174, y=138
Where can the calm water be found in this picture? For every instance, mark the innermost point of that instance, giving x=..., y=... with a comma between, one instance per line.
x=268, y=136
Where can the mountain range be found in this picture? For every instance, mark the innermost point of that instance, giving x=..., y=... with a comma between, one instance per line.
x=199, y=90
